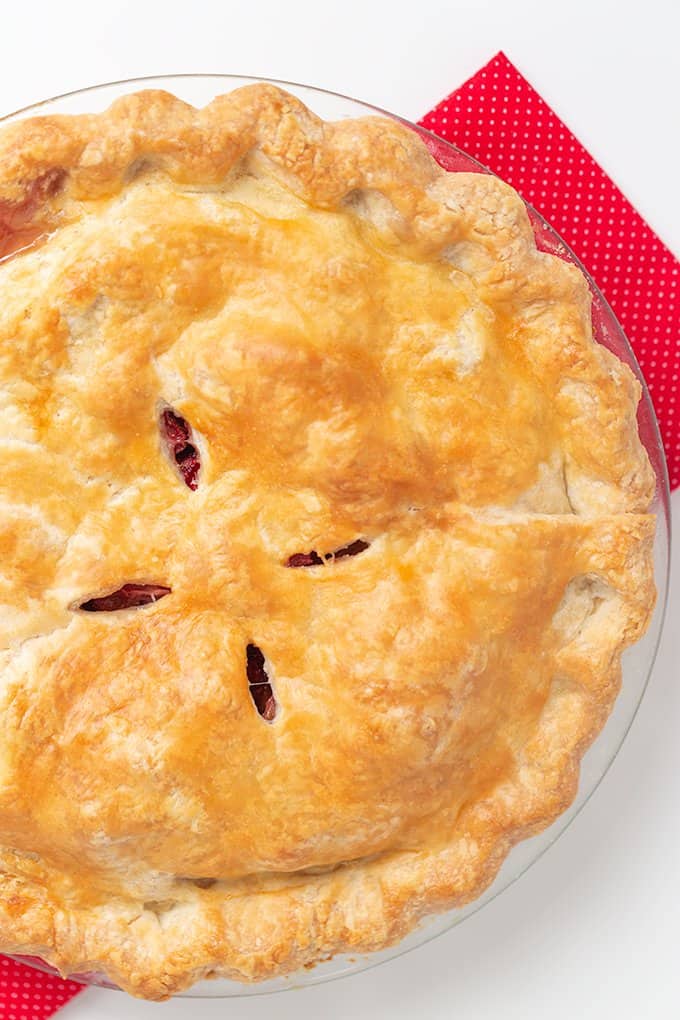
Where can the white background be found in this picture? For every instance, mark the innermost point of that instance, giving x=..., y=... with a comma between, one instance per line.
x=592, y=930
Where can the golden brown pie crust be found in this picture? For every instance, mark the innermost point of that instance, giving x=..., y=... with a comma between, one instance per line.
x=364, y=347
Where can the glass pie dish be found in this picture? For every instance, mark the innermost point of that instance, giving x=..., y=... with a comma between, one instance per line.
x=199, y=90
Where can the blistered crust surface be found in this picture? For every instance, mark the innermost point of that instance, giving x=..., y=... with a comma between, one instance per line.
x=364, y=347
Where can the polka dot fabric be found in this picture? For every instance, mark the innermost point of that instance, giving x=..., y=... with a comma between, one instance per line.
x=498, y=118
x=27, y=994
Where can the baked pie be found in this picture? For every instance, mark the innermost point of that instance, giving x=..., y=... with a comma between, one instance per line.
x=324, y=523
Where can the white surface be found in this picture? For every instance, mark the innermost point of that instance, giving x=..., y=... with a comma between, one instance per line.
x=591, y=931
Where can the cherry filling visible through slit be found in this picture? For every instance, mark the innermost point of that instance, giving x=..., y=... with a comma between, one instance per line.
x=130, y=596
x=312, y=559
x=176, y=433
x=258, y=683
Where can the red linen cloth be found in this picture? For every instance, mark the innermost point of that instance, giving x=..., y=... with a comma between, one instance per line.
x=28, y=994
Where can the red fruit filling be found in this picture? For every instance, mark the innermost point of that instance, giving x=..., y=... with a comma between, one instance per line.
x=258, y=683
x=18, y=228
x=130, y=596
x=176, y=434
x=312, y=559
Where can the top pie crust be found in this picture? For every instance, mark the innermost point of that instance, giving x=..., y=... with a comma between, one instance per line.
x=363, y=346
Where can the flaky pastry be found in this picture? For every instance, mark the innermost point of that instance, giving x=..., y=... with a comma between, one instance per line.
x=323, y=525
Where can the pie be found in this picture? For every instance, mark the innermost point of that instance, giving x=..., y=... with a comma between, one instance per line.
x=324, y=523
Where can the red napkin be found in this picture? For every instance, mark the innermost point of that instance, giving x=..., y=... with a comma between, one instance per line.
x=498, y=118
x=27, y=994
